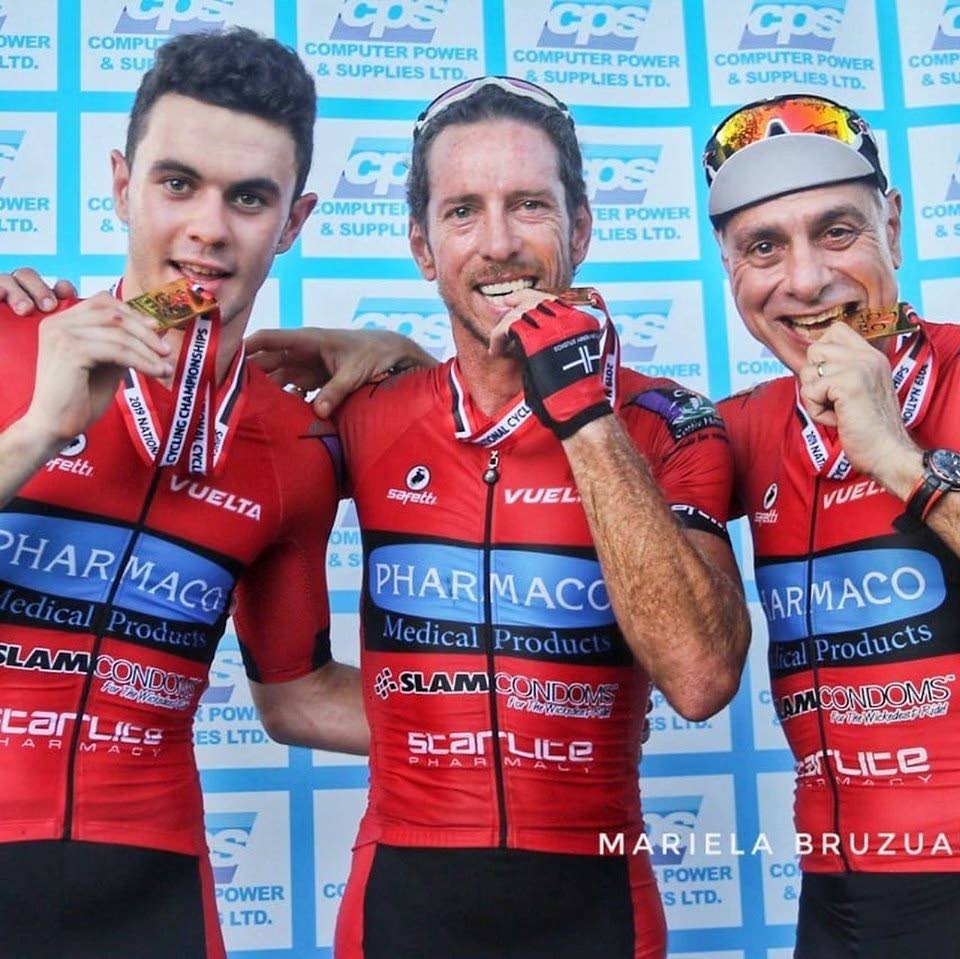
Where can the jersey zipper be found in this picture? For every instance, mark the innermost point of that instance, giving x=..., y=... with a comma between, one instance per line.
x=491, y=475
x=815, y=672
x=99, y=629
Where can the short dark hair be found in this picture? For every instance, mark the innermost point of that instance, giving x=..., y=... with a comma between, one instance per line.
x=493, y=103
x=238, y=69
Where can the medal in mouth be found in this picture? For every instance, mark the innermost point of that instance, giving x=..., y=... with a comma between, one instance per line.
x=579, y=296
x=175, y=304
x=872, y=324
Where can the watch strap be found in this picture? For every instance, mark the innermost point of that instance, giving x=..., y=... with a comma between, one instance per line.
x=925, y=494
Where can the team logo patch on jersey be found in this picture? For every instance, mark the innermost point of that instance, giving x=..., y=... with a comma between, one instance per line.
x=76, y=446
x=768, y=514
x=415, y=488
x=418, y=478
x=684, y=411
x=770, y=497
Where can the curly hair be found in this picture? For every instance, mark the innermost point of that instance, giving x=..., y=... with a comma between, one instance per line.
x=238, y=69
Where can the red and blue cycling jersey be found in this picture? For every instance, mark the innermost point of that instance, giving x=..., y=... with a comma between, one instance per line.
x=116, y=581
x=864, y=630
x=504, y=704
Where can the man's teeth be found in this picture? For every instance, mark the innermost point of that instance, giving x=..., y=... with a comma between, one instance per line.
x=200, y=270
x=832, y=314
x=501, y=289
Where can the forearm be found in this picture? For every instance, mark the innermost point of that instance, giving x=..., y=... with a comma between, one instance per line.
x=944, y=517
x=23, y=450
x=681, y=612
x=323, y=710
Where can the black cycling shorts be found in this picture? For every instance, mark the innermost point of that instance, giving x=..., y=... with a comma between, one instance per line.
x=435, y=903
x=874, y=915
x=81, y=900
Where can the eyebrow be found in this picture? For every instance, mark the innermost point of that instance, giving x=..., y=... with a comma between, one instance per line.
x=838, y=212
x=743, y=241
x=476, y=198
x=258, y=184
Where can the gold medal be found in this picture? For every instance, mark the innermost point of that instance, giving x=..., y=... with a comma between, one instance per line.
x=578, y=296
x=175, y=304
x=873, y=324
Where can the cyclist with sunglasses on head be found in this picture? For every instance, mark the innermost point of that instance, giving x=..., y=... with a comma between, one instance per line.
x=848, y=473
x=543, y=538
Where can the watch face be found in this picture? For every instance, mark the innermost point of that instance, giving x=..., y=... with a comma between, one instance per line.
x=945, y=464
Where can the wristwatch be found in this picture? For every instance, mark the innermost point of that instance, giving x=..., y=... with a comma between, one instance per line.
x=941, y=474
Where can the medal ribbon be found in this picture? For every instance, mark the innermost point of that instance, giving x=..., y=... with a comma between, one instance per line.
x=517, y=413
x=913, y=373
x=189, y=437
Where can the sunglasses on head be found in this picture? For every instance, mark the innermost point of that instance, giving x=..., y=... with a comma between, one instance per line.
x=790, y=114
x=466, y=89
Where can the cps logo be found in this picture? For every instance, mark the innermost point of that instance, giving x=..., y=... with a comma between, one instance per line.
x=408, y=21
x=669, y=822
x=948, y=28
x=618, y=174
x=228, y=835
x=424, y=320
x=813, y=25
x=10, y=141
x=172, y=16
x=225, y=672
x=377, y=167
x=640, y=325
x=614, y=25
x=953, y=187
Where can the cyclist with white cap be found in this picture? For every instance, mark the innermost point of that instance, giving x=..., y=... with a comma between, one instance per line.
x=848, y=473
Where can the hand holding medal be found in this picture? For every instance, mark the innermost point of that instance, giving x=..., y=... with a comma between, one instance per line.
x=203, y=415
x=569, y=360
x=175, y=304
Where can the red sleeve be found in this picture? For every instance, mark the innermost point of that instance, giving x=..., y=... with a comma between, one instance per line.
x=283, y=615
x=732, y=411
x=683, y=439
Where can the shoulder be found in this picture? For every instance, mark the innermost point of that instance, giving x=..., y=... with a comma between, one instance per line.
x=14, y=327
x=760, y=400
x=286, y=430
x=279, y=411
x=18, y=356
x=681, y=410
x=393, y=402
x=944, y=337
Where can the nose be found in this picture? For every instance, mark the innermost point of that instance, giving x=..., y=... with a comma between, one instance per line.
x=807, y=272
x=498, y=237
x=207, y=225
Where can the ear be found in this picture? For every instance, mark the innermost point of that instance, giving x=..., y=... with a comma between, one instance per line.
x=580, y=231
x=120, y=173
x=894, y=212
x=299, y=213
x=724, y=256
x=420, y=248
